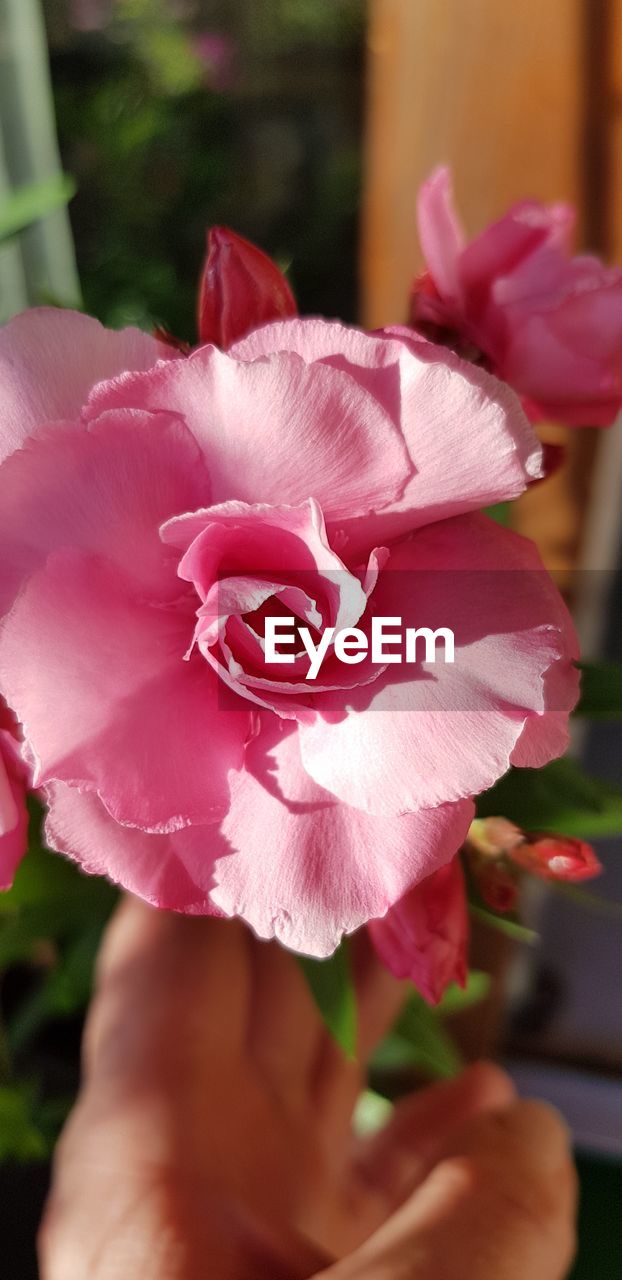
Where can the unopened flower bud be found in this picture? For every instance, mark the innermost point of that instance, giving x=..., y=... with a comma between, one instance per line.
x=493, y=837
x=241, y=289
x=555, y=857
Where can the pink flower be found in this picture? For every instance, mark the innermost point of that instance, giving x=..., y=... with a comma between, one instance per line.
x=425, y=936
x=491, y=838
x=548, y=324
x=153, y=514
x=219, y=54
x=241, y=288
x=497, y=852
x=553, y=857
x=90, y=15
x=13, y=789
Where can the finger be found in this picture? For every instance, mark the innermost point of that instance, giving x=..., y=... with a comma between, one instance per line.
x=172, y=994
x=337, y=1081
x=500, y=1205
x=160, y=1236
x=169, y=1100
x=285, y=1028
x=395, y=1160
x=379, y=996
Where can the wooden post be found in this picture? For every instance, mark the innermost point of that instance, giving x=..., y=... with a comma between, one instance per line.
x=521, y=99
x=494, y=89
x=517, y=98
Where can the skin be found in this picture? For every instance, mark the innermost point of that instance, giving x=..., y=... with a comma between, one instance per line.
x=212, y=1135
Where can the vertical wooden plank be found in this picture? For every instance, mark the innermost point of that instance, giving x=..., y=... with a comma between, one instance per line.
x=612, y=76
x=499, y=92
x=602, y=536
x=494, y=89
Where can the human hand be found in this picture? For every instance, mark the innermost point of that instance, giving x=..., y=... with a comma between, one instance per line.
x=212, y=1136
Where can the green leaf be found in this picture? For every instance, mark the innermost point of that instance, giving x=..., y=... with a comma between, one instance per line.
x=46, y=880
x=66, y=989
x=500, y=513
x=456, y=998
x=420, y=1041
x=332, y=988
x=394, y=1054
x=601, y=691
x=20, y=1138
x=432, y=1048
x=23, y=925
x=560, y=797
x=30, y=204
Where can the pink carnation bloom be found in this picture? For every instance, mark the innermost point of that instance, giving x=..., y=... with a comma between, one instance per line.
x=155, y=509
x=547, y=323
x=13, y=790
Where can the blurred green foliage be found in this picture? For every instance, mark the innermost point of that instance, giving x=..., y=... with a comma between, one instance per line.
x=601, y=690
x=51, y=923
x=330, y=983
x=420, y=1040
x=240, y=114
x=560, y=797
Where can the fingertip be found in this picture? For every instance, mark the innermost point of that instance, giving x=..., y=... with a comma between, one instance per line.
x=537, y=1128
x=489, y=1083
x=525, y=1141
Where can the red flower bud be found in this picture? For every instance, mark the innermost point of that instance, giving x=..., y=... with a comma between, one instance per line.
x=424, y=936
x=557, y=858
x=241, y=289
x=497, y=884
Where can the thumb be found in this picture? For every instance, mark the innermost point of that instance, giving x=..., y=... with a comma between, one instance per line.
x=499, y=1205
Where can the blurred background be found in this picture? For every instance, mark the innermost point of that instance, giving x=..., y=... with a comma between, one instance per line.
x=127, y=127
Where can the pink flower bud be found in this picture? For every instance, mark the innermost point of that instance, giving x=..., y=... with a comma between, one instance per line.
x=516, y=300
x=424, y=937
x=557, y=858
x=241, y=289
x=493, y=837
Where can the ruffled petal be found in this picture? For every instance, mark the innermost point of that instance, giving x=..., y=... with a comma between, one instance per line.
x=277, y=430
x=49, y=361
x=427, y=733
x=97, y=678
x=507, y=245
x=561, y=380
x=451, y=415
x=172, y=871
x=307, y=870
x=440, y=233
x=105, y=490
